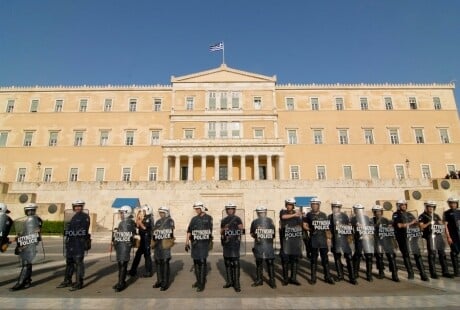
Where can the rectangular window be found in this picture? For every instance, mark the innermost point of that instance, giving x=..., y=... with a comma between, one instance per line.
x=419, y=139
x=157, y=104
x=369, y=136
x=444, y=134
x=58, y=105
x=343, y=136
x=132, y=105
x=34, y=105
x=426, y=172
x=314, y=103
x=78, y=141
x=100, y=174
x=126, y=174
x=318, y=136
x=212, y=101
x=223, y=173
x=83, y=105
x=257, y=103
x=108, y=105
x=235, y=129
x=223, y=101
x=413, y=103
x=10, y=106
x=153, y=173
x=47, y=175
x=21, y=175
x=155, y=134
x=188, y=133
x=451, y=168
x=235, y=101
x=292, y=136
x=104, y=138
x=28, y=135
x=189, y=103
x=295, y=174
x=339, y=104
x=321, y=172
x=212, y=130
x=223, y=130
x=290, y=104
x=400, y=175
x=364, y=103
x=53, y=138
x=3, y=138
x=129, y=139
x=437, y=103
x=374, y=172
x=394, y=136
x=262, y=172
x=73, y=177
x=388, y=103
x=347, y=173
x=258, y=133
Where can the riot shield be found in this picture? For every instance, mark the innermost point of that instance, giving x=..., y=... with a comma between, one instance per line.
x=436, y=237
x=264, y=233
x=342, y=233
x=68, y=215
x=291, y=236
x=5, y=227
x=234, y=236
x=413, y=232
x=123, y=232
x=29, y=244
x=116, y=219
x=384, y=236
x=365, y=230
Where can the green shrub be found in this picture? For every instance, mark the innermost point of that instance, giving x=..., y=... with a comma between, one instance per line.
x=53, y=228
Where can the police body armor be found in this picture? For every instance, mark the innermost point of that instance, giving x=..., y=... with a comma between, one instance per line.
x=263, y=229
x=233, y=238
x=433, y=233
x=291, y=234
x=363, y=232
x=123, y=239
x=319, y=224
x=76, y=233
x=29, y=244
x=162, y=230
x=342, y=232
x=384, y=236
x=201, y=230
x=5, y=226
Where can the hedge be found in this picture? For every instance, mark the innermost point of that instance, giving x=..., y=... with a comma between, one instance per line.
x=48, y=228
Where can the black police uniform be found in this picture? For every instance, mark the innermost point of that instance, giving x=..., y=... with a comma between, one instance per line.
x=162, y=230
x=263, y=231
x=291, y=246
x=452, y=219
x=144, y=248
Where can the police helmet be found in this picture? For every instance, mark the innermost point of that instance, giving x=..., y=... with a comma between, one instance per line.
x=377, y=208
x=126, y=210
x=452, y=199
x=163, y=209
x=78, y=203
x=400, y=202
x=147, y=209
x=430, y=203
x=336, y=203
x=230, y=205
x=199, y=205
x=3, y=208
x=358, y=206
x=30, y=207
x=261, y=209
x=289, y=201
x=315, y=200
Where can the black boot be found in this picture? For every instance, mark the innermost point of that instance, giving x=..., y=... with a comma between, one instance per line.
x=432, y=265
x=236, y=275
x=228, y=273
x=67, y=276
x=327, y=273
x=196, y=268
x=137, y=258
x=202, y=276
x=421, y=267
x=28, y=280
x=338, y=266
x=380, y=265
x=20, y=284
x=356, y=262
x=444, y=268
x=351, y=272
x=313, y=267
x=408, y=265
x=368, y=267
x=159, y=265
x=393, y=267
x=271, y=273
x=148, y=266
x=259, y=270
x=80, y=272
x=166, y=273
x=123, y=271
x=294, y=268
x=454, y=258
x=285, y=266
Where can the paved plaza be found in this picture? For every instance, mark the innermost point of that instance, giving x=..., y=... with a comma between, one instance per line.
x=101, y=275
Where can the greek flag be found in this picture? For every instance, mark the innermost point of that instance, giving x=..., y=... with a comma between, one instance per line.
x=217, y=47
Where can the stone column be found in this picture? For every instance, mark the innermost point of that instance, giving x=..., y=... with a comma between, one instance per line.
x=190, y=168
x=243, y=167
x=177, y=168
x=256, y=167
x=281, y=167
x=203, y=167
x=216, y=167
x=165, y=168
x=269, y=168
x=230, y=167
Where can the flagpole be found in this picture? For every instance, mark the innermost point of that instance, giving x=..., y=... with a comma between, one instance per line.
x=223, y=55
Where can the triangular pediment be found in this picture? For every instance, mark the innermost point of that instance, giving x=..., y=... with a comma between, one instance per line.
x=223, y=74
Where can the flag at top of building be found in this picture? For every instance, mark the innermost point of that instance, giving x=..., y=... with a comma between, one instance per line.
x=217, y=47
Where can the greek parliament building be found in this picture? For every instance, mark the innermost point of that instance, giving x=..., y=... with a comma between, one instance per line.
x=225, y=135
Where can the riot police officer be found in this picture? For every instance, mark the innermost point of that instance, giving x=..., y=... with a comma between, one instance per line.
x=383, y=237
x=363, y=232
x=263, y=232
x=123, y=239
x=341, y=230
x=318, y=224
x=231, y=231
x=451, y=219
x=163, y=236
x=76, y=237
x=144, y=223
x=5, y=226
x=433, y=230
x=28, y=237
x=199, y=235
x=306, y=234
x=408, y=233
x=291, y=241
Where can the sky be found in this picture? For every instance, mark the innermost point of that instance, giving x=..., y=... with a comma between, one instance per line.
x=78, y=42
